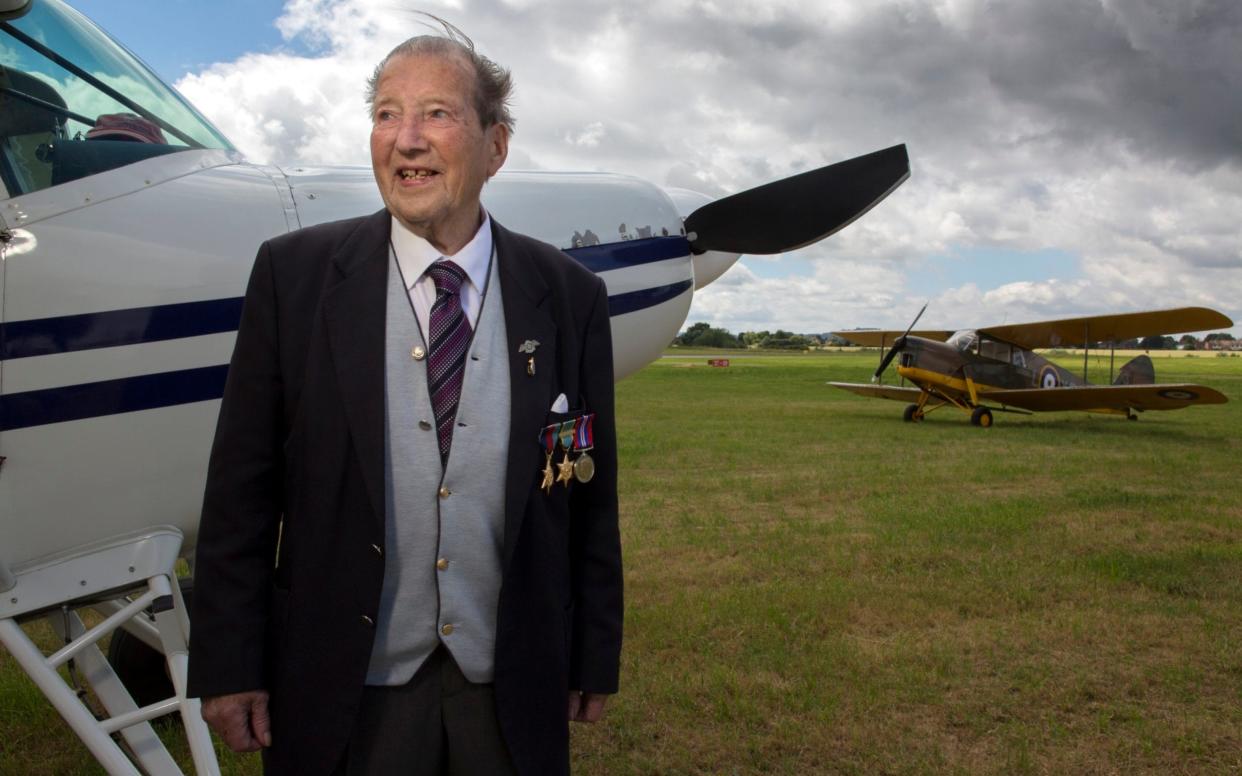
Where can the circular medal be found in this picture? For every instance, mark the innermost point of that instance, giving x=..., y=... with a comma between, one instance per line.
x=584, y=468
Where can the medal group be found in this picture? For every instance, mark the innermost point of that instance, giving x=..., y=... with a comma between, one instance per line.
x=572, y=436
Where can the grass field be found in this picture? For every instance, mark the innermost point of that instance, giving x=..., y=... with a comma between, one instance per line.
x=814, y=586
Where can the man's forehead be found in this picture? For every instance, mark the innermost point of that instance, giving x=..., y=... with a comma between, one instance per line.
x=418, y=66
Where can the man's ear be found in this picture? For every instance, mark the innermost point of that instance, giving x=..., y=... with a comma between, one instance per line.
x=497, y=139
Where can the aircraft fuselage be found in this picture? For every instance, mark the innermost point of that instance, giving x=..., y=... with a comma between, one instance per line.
x=983, y=361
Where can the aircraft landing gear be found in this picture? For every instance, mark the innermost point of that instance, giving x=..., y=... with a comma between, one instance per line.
x=912, y=414
x=982, y=417
x=142, y=669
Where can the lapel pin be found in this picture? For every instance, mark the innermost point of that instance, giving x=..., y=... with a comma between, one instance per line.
x=529, y=347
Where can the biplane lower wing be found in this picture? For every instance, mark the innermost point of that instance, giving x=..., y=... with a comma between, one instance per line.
x=894, y=392
x=1111, y=398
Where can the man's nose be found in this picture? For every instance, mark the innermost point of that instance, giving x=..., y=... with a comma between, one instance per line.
x=410, y=135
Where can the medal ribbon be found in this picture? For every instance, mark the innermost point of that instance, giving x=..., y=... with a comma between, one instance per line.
x=585, y=438
x=547, y=437
x=566, y=434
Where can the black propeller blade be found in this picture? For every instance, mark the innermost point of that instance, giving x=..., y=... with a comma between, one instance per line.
x=898, y=345
x=798, y=210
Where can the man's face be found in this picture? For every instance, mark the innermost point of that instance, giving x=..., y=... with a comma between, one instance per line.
x=429, y=151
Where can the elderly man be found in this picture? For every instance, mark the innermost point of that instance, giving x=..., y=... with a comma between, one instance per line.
x=399, y=569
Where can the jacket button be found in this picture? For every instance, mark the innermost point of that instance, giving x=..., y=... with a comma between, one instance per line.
x=378, y=550
x=368, y=621
x=418, y=353
x=444, y=491
x=442, y=564
x=424, y=425
x=447, y=629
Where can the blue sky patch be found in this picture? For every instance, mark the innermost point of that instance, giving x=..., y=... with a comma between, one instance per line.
x=989, y=268
x=176, y=37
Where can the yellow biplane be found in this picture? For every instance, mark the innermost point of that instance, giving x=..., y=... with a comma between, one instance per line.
x=996, y=369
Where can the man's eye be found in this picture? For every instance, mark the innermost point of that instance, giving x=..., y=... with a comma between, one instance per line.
x=383, y=115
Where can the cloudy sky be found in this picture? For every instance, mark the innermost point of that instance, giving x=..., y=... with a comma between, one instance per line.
x=1068, y=156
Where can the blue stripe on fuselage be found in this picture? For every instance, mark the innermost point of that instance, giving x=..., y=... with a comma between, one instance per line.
x=634, y=301
x=111, y=397
x=69, y=333
x=632, y=253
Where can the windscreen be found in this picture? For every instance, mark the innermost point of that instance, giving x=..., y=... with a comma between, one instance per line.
x=73, y=102
x=964, y=341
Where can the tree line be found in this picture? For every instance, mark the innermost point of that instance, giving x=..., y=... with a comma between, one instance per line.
x=704, y=335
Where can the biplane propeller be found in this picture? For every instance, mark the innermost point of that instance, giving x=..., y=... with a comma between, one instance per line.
x=898, y=344
x=996, y=369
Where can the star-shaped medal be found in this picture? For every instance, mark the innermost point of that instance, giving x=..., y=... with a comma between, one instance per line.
x=548, y=477
x=565, y=470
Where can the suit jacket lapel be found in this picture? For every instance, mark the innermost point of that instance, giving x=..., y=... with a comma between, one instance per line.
x=354, y=316
x=524, y=292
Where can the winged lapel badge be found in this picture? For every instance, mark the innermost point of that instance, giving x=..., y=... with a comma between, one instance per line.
x=529, y=347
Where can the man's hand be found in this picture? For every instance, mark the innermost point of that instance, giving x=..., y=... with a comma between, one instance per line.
x=240, y=719
x=586, y=706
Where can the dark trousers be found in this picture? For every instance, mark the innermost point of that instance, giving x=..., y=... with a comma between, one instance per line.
x=437, y=724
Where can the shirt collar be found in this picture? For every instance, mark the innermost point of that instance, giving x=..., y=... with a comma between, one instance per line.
x=415, y=255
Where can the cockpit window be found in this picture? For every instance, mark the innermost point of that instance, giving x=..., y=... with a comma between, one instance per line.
x=73, y=103
x=964, y=341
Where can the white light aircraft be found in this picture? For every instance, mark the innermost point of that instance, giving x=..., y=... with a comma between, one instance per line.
x=127, y=228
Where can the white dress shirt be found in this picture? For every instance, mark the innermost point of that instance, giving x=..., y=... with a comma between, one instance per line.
x=415, y=255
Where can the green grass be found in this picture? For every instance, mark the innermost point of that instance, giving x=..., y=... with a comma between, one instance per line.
x=814, y=586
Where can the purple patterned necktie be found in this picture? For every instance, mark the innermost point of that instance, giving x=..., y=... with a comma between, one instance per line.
x=446, y=357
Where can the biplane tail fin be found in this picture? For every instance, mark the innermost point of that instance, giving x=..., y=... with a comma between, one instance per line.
x=1138, y=371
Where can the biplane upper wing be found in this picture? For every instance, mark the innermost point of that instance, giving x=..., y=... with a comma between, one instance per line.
x=1106, y=397
x=894, y=392
x=1069, y=332
x=875, y=338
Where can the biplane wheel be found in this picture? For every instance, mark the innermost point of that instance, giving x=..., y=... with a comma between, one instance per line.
x=982, y=417
x=143, y=670
x=912, y=414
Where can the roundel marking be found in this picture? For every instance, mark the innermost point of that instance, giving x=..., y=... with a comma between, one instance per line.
x=1048, y=377
x=1179, y=395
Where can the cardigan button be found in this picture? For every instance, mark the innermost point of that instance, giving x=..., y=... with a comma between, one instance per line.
x=368, y=621
x=424, y=425
x=445, y=492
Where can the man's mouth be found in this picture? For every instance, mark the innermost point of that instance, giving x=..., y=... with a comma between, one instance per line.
x=418, y=174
